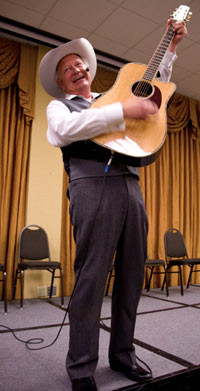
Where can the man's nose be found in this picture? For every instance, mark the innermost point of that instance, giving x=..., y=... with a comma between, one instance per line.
x=75, y=68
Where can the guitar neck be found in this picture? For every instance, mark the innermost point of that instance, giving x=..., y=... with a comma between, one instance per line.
x=153, y=66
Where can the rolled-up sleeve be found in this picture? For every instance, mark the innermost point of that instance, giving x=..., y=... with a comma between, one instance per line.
x=165, y=68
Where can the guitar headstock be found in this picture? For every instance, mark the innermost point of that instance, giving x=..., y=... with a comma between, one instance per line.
x=182, y=13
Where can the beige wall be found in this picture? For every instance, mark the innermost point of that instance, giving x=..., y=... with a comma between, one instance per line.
x=44, y=187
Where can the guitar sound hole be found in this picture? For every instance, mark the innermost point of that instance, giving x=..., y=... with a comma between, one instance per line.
x=142, y=88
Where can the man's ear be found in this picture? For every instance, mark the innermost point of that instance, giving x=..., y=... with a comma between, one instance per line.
x=60, y=83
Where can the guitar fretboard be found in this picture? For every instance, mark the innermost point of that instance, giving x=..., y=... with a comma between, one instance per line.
x=156, y=59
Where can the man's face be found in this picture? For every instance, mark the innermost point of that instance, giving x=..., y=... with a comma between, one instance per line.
x=73, y=77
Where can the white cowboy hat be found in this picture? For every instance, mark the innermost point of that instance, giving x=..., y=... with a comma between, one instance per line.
x=48, y=64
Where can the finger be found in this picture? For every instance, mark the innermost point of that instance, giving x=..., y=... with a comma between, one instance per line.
x=179, y=26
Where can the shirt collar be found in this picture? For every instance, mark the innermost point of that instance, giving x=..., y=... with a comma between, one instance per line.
x=71, y=96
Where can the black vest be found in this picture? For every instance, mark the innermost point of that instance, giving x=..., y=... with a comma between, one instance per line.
x=86, y=158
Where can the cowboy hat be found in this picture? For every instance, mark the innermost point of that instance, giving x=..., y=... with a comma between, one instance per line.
x=48, y=64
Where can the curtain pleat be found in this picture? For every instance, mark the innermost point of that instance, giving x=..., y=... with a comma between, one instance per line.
x=172, y=197
x=67, y=242
x=9, y=64
x=26, y=80
x=16, y=114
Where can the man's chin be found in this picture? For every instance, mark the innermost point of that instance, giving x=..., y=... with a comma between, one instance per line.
x=82, y=88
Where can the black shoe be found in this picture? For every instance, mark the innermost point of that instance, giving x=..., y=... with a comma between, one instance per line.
x=133, y=372
x=84, y=384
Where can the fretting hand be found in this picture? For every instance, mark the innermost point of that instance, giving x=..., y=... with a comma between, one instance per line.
x=180, y=32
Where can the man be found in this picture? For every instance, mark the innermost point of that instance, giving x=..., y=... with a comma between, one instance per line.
x=106, y=207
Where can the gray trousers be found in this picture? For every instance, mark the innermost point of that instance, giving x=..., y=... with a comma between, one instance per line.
x=107, y=217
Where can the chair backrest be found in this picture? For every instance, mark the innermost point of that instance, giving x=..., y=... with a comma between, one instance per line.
x=33, y=244
x=2, y=267
x=175, y=244
x=2, y=270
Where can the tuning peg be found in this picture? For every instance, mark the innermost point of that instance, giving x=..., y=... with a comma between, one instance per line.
x=189, y=16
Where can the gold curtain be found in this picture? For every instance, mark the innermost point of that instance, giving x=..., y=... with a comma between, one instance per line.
x=170, y=185
x=17, y=85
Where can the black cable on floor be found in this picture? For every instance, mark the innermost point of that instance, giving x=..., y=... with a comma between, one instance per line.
x=36, y=341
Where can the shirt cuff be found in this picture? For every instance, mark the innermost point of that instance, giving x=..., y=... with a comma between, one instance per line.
x=114, y=116
x=169, y=59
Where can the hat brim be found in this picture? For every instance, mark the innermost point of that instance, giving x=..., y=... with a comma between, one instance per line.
x=48, y=64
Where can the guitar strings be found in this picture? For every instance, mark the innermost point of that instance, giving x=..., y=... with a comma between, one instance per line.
x=144, y=86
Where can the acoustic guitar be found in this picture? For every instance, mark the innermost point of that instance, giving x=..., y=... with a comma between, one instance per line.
x=141, y=142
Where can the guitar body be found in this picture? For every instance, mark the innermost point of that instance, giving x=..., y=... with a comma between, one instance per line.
x=141, y=142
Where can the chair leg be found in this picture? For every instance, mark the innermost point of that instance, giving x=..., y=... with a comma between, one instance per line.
x=22, y=289
x=190, y=275
x=181, y=280
x=150, y=278
x=108, y=283
x=166, y=282
x=5, y=291
x=62, y=288
x=52, y=281
x=15, y=285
